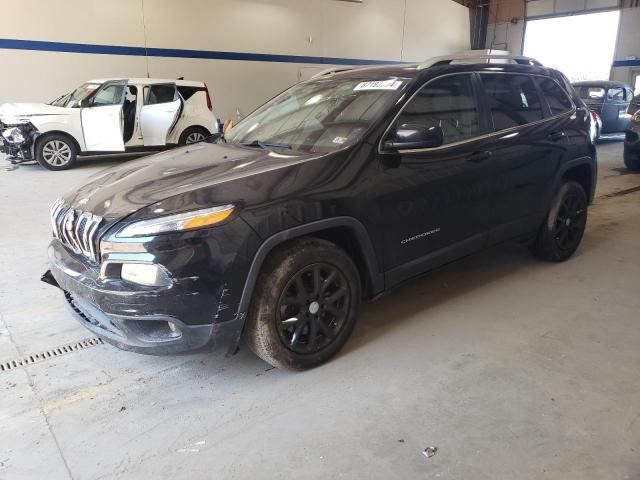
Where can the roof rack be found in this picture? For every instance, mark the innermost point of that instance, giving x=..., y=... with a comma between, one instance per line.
x=332, y=71
x=471, y=58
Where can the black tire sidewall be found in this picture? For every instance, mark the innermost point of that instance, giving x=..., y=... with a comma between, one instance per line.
x=43, y=140
x=546, y=246
x=261, y=332
x=631, y=160
x=182, y=141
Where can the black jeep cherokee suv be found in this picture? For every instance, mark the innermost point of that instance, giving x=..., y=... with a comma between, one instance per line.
x=334, y=191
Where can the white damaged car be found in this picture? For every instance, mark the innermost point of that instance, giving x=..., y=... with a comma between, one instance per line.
x=107, y=116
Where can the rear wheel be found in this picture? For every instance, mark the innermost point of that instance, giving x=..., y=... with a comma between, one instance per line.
x=562, y=232
x=631, y=160
x=304, y=306
x=56, y=152
x=193, y=135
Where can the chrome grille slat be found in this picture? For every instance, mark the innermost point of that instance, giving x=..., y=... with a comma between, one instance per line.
x=76, y=229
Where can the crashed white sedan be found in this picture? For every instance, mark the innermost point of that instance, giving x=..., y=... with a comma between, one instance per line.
x=107, y=116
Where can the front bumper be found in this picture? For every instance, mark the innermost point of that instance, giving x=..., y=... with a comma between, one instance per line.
x=19, y=152
x=141, y=319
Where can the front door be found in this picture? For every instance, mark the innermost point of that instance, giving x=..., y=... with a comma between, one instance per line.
x=162, y=105
x=434, y=203
x=102, y=120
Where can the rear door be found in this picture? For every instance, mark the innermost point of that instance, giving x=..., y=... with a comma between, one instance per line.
x=529, y=148
x=102, y=120
x=162, y=106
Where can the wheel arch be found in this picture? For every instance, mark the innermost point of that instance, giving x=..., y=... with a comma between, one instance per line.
x=582, y=170
x=346, y=232
x=43, y=136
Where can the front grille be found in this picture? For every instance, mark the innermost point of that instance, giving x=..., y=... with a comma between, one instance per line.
x=76, y=229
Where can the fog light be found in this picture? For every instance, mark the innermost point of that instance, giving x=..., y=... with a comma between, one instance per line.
x=145, y=274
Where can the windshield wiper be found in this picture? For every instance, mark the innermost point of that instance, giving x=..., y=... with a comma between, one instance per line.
x=266, y=145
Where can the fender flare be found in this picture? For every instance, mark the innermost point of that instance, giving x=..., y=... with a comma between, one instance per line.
x=593, y=167
x=376, y=277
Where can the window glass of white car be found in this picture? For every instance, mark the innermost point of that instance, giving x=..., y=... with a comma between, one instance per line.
x=111, y=94
x=73, y=99
x=320, y=115
x=155, y=94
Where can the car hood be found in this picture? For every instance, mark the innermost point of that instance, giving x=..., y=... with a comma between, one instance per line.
x=9, y=111
x=117, y=192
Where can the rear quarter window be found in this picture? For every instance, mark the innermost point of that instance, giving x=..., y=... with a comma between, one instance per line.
x=188, y=92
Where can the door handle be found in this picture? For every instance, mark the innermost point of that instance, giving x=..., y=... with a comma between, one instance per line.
x=478, y=157
x=553, y=136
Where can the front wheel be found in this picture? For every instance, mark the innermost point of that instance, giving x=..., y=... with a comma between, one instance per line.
x=304, y=306
x=561, y=233
x=56, y=152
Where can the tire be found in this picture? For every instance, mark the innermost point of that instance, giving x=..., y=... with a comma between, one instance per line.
x=296, y=319
x=193, y=135
x=56, y=152
x=631, y=161
x=561, y=233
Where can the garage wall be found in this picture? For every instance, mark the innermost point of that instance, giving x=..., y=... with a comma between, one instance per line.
x=287, y=40
x=627, y=58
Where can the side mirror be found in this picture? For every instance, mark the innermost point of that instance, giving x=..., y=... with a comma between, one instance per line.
x=414, y=136
x=84, y=103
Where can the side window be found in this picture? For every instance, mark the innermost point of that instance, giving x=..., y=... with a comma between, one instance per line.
x=188, y=92
x=160, y=94
x=448, y=103
x=513, y=100
x=616, y=94
x=557, y=99
x=108, y=95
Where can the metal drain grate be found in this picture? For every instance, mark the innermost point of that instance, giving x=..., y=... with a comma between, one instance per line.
x=54, y=352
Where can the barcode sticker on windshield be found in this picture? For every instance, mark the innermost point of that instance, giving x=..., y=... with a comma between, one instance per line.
x=379, y=85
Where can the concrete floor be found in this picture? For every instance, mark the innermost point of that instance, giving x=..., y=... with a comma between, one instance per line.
x=512, y=368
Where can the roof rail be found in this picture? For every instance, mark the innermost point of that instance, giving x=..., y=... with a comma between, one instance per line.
x=483, y=58
x=332, y=71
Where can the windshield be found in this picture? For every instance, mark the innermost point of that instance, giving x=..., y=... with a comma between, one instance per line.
x=73, y=99
x=318, y=116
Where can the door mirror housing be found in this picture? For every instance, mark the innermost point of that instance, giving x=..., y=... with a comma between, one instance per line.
x=411, y=136
x=85, y=102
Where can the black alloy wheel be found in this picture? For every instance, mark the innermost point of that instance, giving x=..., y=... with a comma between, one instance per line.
x=313, y=308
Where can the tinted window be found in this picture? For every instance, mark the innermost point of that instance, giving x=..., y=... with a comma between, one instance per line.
x=188, y=92
x=448, y=103
x=558, y=100
x=160, y=94
x=109, y=95
x=513, y=100
x=591, y=93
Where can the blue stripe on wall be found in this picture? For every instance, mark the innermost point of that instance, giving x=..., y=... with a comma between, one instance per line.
x=626, y=63
x=43, y=46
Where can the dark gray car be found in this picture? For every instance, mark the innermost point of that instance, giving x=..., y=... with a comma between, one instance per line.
x=610, y=100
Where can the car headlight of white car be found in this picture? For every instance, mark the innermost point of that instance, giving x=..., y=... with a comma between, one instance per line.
x=13, y=135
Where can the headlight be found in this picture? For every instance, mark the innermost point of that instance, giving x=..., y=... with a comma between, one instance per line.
x=636, y=117
x=178, y=222
x=13, y=135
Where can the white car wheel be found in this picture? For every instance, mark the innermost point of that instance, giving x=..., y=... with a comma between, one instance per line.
x=56, y=153
x=195, y=137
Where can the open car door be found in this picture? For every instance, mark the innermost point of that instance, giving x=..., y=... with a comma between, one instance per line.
x=162, y=107
x=102, y=120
